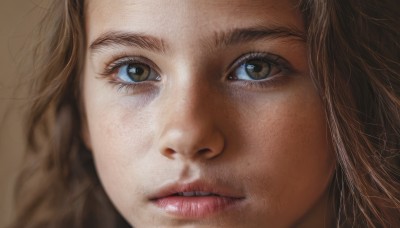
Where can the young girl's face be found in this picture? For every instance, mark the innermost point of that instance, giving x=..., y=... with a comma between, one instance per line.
x=204, y=113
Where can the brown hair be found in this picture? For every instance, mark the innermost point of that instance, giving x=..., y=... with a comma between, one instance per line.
x=354, y=53
x=354, y=56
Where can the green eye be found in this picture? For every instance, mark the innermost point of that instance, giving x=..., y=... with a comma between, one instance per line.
x=136, y=72
x=131, y=71
x=257, y=69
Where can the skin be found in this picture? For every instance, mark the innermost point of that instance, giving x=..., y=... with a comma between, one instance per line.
x=268, y=142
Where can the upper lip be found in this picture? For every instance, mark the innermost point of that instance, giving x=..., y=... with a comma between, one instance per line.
x=200, y=187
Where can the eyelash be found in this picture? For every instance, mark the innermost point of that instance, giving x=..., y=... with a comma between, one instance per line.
x=276, y=61
x=112, y=67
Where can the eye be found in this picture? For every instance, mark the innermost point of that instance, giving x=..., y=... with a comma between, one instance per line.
x=256, y=68
x=135, y=73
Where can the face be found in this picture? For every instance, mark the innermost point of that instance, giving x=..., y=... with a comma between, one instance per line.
x=204, y=113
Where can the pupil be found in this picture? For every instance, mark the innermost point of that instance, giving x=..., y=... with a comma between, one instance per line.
x=138, y=72
x=254, y=68
x=135, y=70
x=258, y=69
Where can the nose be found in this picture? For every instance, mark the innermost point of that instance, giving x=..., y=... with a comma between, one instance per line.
x=189, y=126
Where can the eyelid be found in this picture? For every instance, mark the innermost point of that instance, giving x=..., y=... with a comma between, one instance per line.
x=276, y=60
x=117, y=63
x=112, y=68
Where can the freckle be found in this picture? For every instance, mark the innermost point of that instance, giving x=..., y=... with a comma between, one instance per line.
x=248, y=164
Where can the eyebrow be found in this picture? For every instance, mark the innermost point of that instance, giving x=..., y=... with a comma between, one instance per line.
x=243, y=35
x=221, y=38
x=119, y=38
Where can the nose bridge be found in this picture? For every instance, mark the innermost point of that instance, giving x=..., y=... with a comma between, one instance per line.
x=191, y=93
x=189, y=123
x=190, y=102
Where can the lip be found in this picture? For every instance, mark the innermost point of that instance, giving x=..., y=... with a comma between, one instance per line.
x=170, y=199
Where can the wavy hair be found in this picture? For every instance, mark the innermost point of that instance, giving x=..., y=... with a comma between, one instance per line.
x=354, y=57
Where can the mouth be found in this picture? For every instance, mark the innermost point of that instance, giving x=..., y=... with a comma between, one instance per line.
x=195, y=200
x=195, y=194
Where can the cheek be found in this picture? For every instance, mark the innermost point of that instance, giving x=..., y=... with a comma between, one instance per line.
x=120, y=139
x=291, y=158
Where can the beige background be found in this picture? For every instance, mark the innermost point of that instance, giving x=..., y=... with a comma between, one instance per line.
x=18, y=20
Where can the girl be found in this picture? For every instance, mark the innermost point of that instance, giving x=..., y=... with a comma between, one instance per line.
x=215, y=113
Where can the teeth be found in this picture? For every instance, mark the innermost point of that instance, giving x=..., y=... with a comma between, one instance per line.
x=203, y=194
x=188, y=193
x=195, y=194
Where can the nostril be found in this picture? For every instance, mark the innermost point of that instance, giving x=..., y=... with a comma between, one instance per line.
x=207, y=153
x=203, y=151
x=169, y=153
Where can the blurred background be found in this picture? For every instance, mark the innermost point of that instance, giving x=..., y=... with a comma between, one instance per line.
x=18, y=21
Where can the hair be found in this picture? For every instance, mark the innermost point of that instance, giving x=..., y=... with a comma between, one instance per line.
x=354, y=58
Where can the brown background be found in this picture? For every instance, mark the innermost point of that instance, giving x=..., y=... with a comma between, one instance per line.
x=18, y=21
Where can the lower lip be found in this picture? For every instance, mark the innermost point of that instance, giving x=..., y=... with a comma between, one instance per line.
x=195, y=207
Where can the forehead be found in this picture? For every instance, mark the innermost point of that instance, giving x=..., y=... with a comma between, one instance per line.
x=192, y=16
